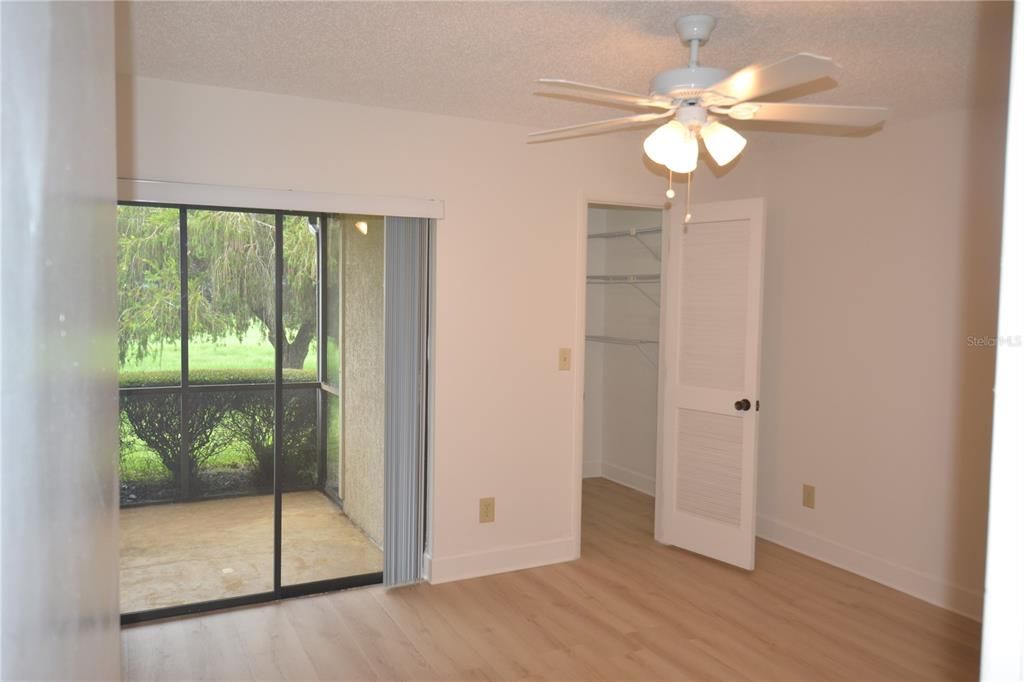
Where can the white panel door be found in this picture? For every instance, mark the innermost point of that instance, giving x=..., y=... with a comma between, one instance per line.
x=709, y=381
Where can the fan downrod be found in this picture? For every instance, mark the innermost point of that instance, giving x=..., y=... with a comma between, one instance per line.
x=688, y=82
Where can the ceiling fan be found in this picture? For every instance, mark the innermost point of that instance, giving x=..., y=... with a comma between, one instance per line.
x=695, y=98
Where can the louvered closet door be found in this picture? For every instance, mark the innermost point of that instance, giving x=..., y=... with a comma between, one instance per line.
x=711, y=338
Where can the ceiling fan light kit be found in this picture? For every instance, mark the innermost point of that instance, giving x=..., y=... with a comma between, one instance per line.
x=722, y=142
x=695, y=97
x=673, y=145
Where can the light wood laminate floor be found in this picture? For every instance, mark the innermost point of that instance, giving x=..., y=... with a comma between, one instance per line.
x=192, y=552
x=628, y=609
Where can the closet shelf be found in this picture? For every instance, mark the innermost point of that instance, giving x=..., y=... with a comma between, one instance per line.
x=624, y=233
x=623, y=279
x=622, y=341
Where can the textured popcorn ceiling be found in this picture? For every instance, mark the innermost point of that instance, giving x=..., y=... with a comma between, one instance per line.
x=479, y=59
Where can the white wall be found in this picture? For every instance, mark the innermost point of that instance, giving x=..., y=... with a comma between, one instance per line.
x=506, y=296
x=621, y=407
x=882, y=263
x=58, y=321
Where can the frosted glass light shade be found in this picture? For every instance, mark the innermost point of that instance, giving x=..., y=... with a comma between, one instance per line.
x=666, y=141
x=683, y=158
x=723, y=143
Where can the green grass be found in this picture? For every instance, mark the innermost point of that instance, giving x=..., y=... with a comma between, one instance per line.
x=253, y=351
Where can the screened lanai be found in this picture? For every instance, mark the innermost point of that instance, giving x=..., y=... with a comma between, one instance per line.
x=251, y=357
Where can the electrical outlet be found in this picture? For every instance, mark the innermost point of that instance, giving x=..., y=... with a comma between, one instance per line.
x=809, y=496
x=564, y=359
x=486, y=510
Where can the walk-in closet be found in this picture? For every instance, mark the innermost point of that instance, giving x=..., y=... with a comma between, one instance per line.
x=624, y=246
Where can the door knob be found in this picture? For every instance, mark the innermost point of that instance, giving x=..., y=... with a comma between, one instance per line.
x=742, y=405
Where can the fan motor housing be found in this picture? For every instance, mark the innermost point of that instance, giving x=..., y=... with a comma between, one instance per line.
x=686, y=82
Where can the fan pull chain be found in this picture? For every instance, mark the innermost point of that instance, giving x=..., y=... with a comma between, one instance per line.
x=689, y=189
x=670, y=193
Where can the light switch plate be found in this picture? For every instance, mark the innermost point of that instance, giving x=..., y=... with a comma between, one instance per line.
x=486, y=510
x=564, y=359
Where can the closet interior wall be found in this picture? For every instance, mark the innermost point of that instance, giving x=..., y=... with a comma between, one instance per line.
x=621, y=370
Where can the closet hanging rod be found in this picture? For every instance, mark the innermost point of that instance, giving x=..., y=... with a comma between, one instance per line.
x=623, y=279
x=622, y=341
x=624, y=233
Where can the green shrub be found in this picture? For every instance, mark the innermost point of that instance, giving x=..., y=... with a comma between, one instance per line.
x=221, y=426
x=154, y=419
x=210, y=377
x=251, y=420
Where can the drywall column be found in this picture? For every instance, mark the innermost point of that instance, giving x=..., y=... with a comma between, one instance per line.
x=1002, y=645
x=362, y=373
x=58, y=337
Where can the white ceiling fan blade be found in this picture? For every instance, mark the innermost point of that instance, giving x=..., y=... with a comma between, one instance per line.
x=596, y=92
x=602, y=126
x=822, y=114
x=757, y=79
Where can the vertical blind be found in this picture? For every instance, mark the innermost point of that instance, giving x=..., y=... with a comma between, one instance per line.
x=405, y=365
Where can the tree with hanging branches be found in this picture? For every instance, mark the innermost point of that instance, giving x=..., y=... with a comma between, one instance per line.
x=230, y=279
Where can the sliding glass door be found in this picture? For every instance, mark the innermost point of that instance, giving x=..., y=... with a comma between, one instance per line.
x=334, y=530
x=242, y=336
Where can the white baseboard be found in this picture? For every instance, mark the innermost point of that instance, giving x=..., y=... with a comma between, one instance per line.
x=629, y=478
x=475, y=564
x=931, y=589
x=591, y=468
